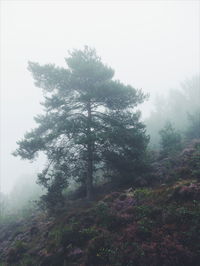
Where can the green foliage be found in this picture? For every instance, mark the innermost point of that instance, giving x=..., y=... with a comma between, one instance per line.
x=16, y=252
x=192, y=167
x=71, y=235
x=145, y=226
x=103, y=214
x=54, y=197
x=18, y=244
x=89, y=125
x=193, y=129
x=163, y=228
x=142, y=211
x=27, y=260
x=100, y=251
x=107, y=217
x=170, y=140
x=142, y=193
x=195, y=163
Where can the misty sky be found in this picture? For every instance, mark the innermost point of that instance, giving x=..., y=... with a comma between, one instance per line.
x=153, y=45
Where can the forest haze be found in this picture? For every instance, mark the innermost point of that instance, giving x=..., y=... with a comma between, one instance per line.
x=142, y=47
x=100, y=133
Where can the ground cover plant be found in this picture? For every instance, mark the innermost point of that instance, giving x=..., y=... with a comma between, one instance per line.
x=157, y=225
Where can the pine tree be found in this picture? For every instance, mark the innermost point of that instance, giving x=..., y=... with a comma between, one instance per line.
x=89, y=124
x=171, y=141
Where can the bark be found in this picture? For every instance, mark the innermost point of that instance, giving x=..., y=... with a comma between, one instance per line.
x=89, y=181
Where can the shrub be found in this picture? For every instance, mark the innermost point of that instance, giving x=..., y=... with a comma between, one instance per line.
x=108, y=217
x=142, y=193
x=170, y=140
x=100, y=250
x=193, y=130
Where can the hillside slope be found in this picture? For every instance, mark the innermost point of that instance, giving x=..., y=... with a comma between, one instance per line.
x=141, y=227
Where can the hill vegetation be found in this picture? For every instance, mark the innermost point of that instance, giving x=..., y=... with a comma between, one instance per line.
x=149, y=225
x=109, y=198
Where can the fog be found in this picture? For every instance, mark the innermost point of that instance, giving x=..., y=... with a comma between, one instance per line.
x=181, y=108
x=153, y=45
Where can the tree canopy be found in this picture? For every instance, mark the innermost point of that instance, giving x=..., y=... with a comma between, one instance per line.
x=90, y=124
x=170, y=140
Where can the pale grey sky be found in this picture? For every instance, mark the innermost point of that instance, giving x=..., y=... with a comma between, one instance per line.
x=152, y=45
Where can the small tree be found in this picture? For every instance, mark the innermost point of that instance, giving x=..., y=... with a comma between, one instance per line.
x=89, y=124
x=170, y=140
x=193, y=130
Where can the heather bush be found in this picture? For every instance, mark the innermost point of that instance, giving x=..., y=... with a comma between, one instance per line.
x=142, y=193
x=100, y=250
x=73, y=235
x=120, y=205
x=104, y=216
x=167, y=252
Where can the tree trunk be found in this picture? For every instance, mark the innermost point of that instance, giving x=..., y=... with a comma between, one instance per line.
x=89, y=181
